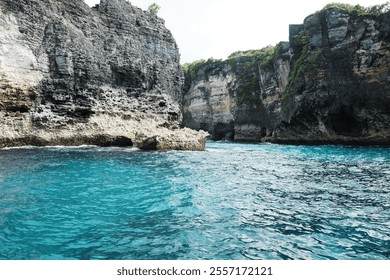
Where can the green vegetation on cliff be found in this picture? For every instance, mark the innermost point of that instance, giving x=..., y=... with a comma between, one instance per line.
x=352, y=9
x=248, y=91
x=306, y=65
x=265, y=55
x=154, y=8
x=246, y=64
x=192, y=68
x=360, y=10
x=379, y=9
x=248, y=87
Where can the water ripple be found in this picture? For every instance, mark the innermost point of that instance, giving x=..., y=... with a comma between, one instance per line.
x=233, y=201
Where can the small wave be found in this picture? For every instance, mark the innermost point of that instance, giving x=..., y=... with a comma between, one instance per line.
x=81, y=147
x=18, y=148
x=56, y=147
x=115, y=149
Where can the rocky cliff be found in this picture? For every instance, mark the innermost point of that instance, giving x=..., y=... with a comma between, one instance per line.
x=71, y=74
x=329, y=84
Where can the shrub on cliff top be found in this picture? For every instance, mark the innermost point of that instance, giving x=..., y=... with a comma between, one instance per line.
x=379, y=9
x=353, y=9
x=192, y=68
x=154, y=8
x=265, y=55
x=359, y=10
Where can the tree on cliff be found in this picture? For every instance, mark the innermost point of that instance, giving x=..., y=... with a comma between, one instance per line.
x=379, y=9
x=154, y=8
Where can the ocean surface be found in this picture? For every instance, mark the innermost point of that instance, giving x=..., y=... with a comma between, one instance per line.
x=233, y=201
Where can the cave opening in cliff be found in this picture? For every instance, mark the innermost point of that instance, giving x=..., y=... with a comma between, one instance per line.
x=345, y=123
x=224, y=131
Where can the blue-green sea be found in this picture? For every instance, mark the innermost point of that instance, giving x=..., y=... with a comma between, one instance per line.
x=233, y=201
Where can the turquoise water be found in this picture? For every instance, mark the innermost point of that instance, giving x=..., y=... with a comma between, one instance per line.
x=234, y=201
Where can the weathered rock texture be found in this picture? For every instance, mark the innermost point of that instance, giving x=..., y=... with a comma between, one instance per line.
x=329, y=84
x=73, y=75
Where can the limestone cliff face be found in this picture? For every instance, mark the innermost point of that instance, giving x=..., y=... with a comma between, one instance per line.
x=237, y=99
x=210, y=104
x=329, y=84
x=70, y=74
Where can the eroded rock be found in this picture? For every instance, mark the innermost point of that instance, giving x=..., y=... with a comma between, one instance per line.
x=101, y=74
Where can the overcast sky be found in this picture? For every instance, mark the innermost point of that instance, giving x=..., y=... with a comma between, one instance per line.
x=217, y=28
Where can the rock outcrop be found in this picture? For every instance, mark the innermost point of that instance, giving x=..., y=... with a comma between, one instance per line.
x=329, y=84
x=71, y=74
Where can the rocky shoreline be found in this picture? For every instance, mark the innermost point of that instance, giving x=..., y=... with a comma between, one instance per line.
x=109, y=131
x=110, y=75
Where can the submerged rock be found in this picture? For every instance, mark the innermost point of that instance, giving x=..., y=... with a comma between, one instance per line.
x=71, y=74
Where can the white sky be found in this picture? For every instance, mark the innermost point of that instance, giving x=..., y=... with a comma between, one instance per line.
x=217, y=28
